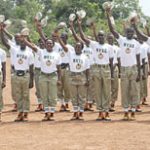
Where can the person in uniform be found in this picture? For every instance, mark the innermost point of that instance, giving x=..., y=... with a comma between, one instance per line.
x=102, y=72
x=23, y=76
x=144, y=72
x=49, y=78
x=87, y=50
x=14, y=44
x=129, y=62
x=64, y=88
x=115, y=81
x=79, y=77
x=37, y=72
x=2, y=75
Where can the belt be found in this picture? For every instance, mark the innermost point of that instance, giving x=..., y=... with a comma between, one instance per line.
x=21, y=72
x=134, y=66
x=49, y=74
x=102, y=66
x=37, y=68
x=64, y=65
x=77, y=73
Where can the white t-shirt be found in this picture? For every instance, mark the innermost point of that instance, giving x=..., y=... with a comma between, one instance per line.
x=2, y=57
x=22, y=59
x=128, y=51
x=116, y=53
x=89, y=53
x=13, y=46
x=37, y=62
x=144, y=50
x=101, y=53
x=148, y=41
x=49, y=60
x=78, y=63
x=63, y=55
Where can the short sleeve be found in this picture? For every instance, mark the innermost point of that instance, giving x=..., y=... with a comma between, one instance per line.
x=120, y=39
x=92, y=44
x=31, y=59
x=58, y=60
x=137, y=48
x=111, y=52
x=148, y=41
x=4, y=57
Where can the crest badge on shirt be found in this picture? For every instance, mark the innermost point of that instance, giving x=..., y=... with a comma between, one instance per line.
x=100, y=56
x=62, y=54
x=78, y=66
x=48, y=63
x=128, y=50
x=20, y=61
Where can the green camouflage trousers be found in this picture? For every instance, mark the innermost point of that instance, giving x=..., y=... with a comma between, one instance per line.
x=22, y=92
x=63, y=90
x=90, y=94
x=48, y=89
x=78, y=91
x=13, y=87
x=114, y=86
x=129, y=87
x=1, y=97
x=143, y=84
x=102, y=86
x=37, y=73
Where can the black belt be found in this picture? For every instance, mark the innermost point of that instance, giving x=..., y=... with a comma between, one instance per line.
x=37, y=68
x=77, y=73
x=102, y=66
x=49, y=74
x=64, y=65
x=21, y=72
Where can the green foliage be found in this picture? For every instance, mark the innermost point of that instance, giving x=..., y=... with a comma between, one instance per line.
x=59, y=10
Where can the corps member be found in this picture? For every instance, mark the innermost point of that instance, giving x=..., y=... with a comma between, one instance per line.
x=79, y=77
x=37, y=72
x=115, y=81
x=49, y=78
x=14, y=44
x=23, y=77
x=87, y=50
x=129, y=60
x=102, y=72
x=2, y=75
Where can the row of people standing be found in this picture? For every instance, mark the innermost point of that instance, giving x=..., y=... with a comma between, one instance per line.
x=85, y=71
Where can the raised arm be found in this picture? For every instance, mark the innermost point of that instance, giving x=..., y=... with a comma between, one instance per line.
x=39, y=29
x=31, y=45
x=84, y=38
x=139, y=33
x=75, y=35
x=3, y=37
x=9, y=35
x=93, y=27
x=111, y=28
x=65, y=48
x=147, y=30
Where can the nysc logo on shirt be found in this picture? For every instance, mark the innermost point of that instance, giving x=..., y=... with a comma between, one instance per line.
x=79, y=63
x=48, y=62
x=21, y=58
x=100, y=55
x=128, y=47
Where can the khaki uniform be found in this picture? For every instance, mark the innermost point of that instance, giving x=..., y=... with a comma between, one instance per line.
x=64, y=88
x=143, y=84
x=102, y=84
x=114, y=86
x=48, y=88
x=22, y=92
x=129, y=87
x=37, y=72
x=13, y=87
x=78, y=90
x=1, y=98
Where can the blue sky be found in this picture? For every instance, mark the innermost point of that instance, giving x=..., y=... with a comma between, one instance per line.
x=145, y=4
